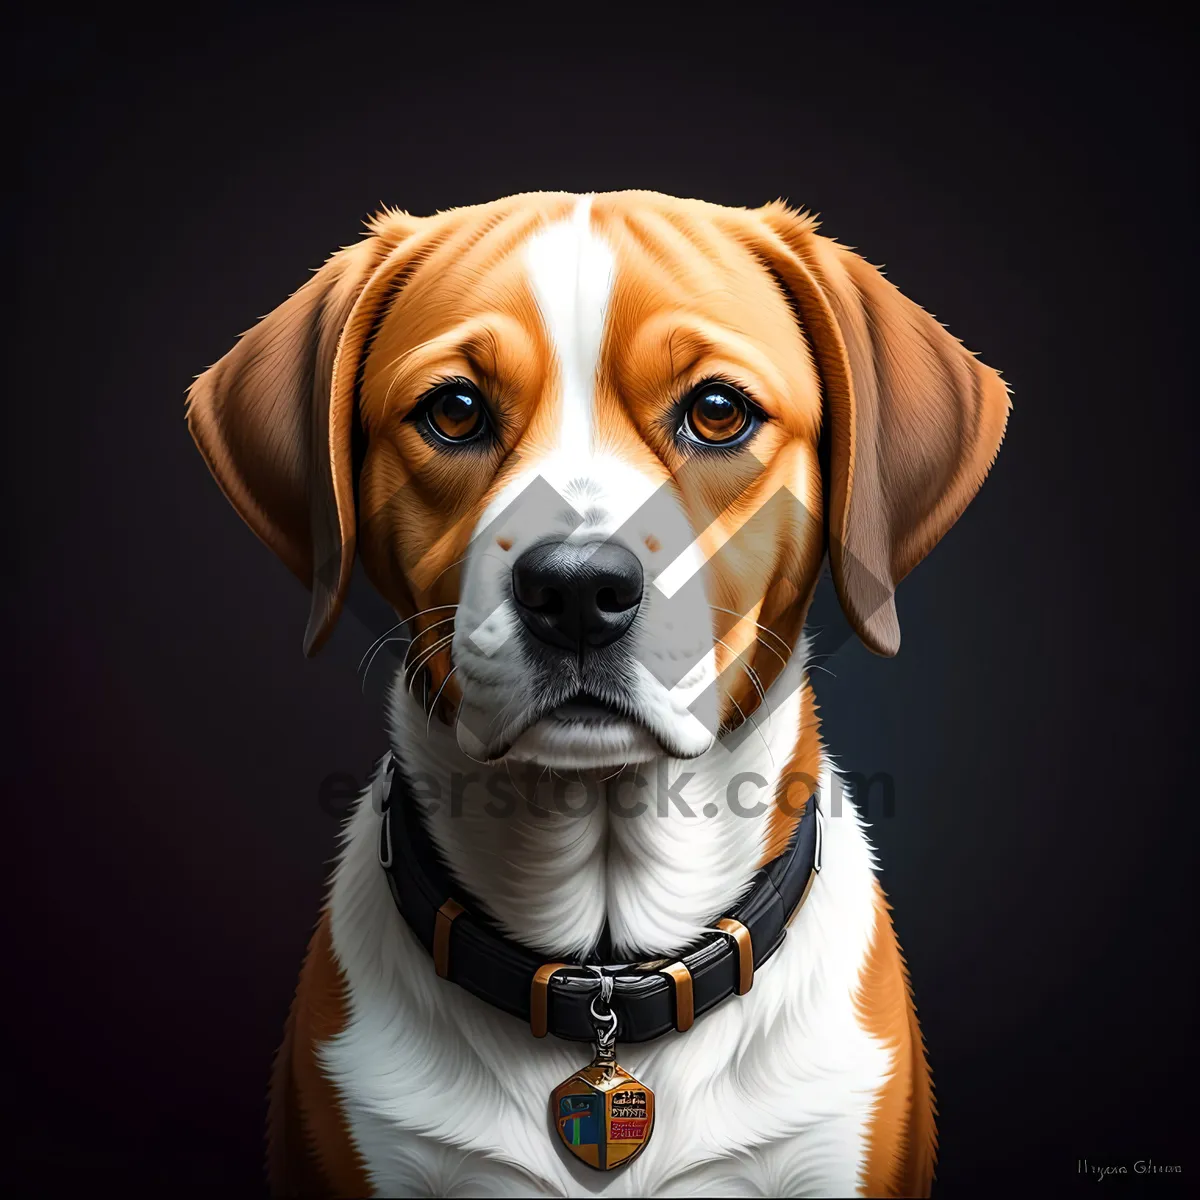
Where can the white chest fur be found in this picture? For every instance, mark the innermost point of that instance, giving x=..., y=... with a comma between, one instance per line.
x=769, y=1094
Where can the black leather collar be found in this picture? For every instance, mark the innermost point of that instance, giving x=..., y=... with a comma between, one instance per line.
x=556, y=997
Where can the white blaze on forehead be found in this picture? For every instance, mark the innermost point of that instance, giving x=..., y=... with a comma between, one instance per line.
x=571, y=272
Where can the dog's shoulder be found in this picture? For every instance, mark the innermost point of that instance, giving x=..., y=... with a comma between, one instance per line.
x=309, y=1148
x=902, y=1139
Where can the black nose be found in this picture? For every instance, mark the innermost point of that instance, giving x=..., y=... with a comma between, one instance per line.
x=577, y=596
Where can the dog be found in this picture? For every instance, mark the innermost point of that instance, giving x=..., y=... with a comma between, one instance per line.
x=594, y=450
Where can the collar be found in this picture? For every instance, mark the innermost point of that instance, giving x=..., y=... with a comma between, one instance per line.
x=649, y=999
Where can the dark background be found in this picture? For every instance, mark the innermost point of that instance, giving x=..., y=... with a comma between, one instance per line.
x=1027, y=174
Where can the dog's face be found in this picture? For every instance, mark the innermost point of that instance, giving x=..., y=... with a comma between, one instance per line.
x=555, y=411
x=596, y=448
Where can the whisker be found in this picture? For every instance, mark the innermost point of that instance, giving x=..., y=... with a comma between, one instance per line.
x=513, y=781
x=493, y=554
x=502, y=714
x=430, y=609
x=756, y=624
x=385, y=642
x=385, y=634
x=445, y=569
x=754, y=679
x=427, y=629
x=767, y=646
x=433, y=706
x=388, y=632
x=483, y=762
x=459, y=563
x=617, y=772
x=425, y=657
x=756, y=727
x=750, y=671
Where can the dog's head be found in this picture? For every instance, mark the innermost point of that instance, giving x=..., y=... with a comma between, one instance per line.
x=596, y=448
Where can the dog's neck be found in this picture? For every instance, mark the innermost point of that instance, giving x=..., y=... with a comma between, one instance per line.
x=652, y=854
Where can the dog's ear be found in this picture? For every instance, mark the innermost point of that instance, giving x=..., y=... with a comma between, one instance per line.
x=274, y=417
x=914, y=419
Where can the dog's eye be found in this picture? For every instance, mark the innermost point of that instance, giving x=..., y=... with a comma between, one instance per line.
x=716, y=414
x=455, y=412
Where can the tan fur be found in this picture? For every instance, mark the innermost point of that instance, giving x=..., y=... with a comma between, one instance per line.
x=798, y=783
x=309, y=1151
x=902, y=1139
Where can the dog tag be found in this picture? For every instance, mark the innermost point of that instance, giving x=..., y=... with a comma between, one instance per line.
x=603, y=1115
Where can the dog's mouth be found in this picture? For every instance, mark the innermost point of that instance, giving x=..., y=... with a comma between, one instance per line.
x=587, y=709
x=582, y=730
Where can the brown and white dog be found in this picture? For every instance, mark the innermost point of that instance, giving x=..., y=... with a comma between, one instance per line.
x=668, y=368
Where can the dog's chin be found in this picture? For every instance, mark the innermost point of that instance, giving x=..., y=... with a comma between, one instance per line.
x=584, y=733
x=579, y=738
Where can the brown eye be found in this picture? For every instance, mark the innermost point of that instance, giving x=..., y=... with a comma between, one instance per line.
x=455, y=413
x=716, y=415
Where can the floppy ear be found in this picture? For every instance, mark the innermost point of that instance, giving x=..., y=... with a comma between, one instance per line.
x=914, y=419
x=274, y=418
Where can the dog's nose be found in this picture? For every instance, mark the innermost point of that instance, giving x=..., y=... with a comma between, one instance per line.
x=577, y=597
